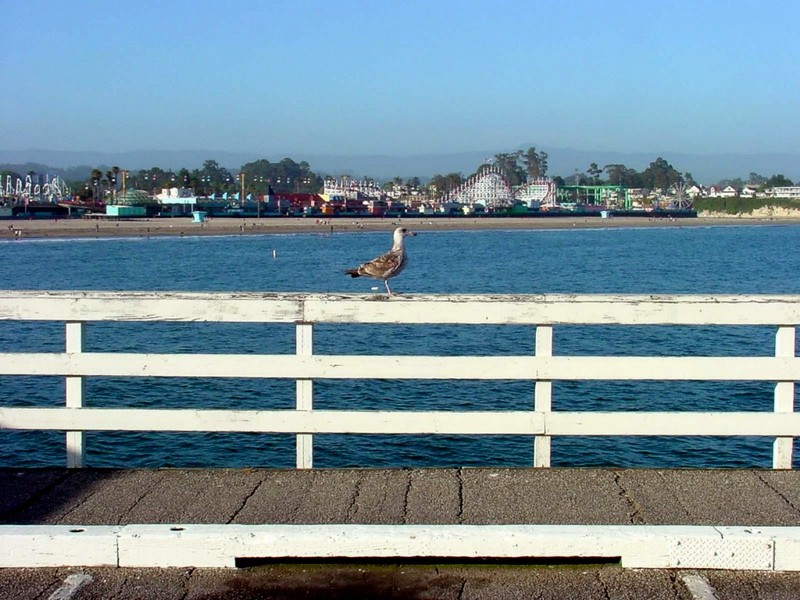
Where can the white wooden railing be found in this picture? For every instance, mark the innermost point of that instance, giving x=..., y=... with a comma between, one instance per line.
x=541, y=312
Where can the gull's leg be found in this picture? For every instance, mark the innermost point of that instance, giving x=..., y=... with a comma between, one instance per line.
x=386, y=283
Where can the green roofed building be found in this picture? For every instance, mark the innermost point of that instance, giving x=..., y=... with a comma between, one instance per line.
x=133, y=203
x=134, y=198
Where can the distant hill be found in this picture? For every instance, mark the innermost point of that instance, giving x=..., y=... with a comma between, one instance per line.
x=67, y=174
x=706, y=168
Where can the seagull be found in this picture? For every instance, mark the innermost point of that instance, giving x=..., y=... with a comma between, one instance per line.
x=388, y=265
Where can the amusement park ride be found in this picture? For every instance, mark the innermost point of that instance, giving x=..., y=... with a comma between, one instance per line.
x=52, y=196
x=491, y=188
x=488, y=187
x=680, y=198
x=53, y=190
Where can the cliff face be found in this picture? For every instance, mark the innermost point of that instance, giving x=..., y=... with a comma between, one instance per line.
x=764, y=212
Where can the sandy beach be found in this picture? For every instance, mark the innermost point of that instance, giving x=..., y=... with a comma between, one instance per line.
x=184, y=226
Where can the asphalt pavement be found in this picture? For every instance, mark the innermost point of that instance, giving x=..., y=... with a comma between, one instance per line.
x=399, y=496
x=580, y=496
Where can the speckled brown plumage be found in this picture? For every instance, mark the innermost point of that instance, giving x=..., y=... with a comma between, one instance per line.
x=387, y=265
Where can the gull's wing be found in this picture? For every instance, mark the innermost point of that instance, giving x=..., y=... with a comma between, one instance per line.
x=383, y=266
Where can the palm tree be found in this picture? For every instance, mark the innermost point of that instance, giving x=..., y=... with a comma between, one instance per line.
x=111, y=178
x=97, y=177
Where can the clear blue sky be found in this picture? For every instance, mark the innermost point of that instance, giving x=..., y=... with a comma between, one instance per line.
x=400, y=77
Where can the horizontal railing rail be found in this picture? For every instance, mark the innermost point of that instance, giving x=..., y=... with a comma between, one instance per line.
x=542, y=312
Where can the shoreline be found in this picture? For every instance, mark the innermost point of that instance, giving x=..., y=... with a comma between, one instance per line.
x=21, y=229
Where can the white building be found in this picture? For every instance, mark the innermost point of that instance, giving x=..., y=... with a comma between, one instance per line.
x=791, y=192
x=748, y=191
x=352, y=189
x=695, y=191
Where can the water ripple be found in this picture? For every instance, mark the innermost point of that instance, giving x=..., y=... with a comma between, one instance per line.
x=724, y=260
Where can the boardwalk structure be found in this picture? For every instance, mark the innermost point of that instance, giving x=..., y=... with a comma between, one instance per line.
x=752, y=540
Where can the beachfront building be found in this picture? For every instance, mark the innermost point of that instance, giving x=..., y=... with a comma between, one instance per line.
x=728, y=192
x=179, y=201
x=352, y=189
x=748, y=191
x=696, y=191
x=606, y=196
x=133, y=203
x=791, y=192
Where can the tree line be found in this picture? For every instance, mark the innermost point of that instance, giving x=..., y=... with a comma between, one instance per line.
x=256, y=177
x=287, y=175
x=524, y=166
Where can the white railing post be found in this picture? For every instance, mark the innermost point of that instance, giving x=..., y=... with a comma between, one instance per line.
x=75, y=394
x=305, y=396
x=780, y=368
x=783, y=447
x=543, y=396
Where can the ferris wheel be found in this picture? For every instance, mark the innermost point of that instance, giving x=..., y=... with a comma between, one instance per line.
x=679, y=197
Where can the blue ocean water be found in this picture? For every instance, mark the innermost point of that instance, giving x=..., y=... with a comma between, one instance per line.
x=742, y=259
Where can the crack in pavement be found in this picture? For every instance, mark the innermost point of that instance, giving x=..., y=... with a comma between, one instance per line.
x=779, y=493
x=405, y=498
x=634, y=509
x=245, y=501
x=352, y=510
x=460, y=479
x=603, y=585
x=462, y=589
x=676, y=583
x=138, y=501
x=121, y=587
x=185, y=582
x=304, y=491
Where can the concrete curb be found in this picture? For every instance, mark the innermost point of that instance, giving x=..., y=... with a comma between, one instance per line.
x=187, y=545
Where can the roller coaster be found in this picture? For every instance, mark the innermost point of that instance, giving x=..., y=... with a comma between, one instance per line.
x=53, y=190
x=491, y=188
